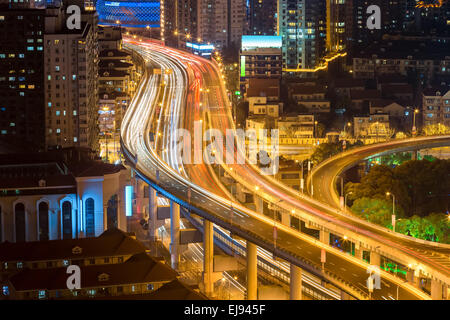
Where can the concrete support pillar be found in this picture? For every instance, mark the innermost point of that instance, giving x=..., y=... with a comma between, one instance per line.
x=259, y=203
x=285, y=218
x=295, y=291
x=359, y=253
x=375, y=258
x=174, y=234
x=152, y=214
x=414, y=155
x=436, y=289
x=324, y=237
x=410, y=276
x=208, y=256
x=252, y=272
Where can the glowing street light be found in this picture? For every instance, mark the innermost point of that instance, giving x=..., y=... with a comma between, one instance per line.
x=393, y=209
x=414, y=121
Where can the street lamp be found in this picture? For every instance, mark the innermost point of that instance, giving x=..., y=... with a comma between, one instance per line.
x=414, y=121
x=348, y=124
x=393, y=209
x=309, y=170
x=315, y=128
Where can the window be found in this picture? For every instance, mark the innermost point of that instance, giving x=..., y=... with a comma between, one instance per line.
x=5, y=290
x=42, y=294
x=65, y=263
x=19, y=265
x=92, y=261
x=67, y=219
x=119, y=289
x=43, y=221
x=90, y=223
x=149, y=286
x=19, y=213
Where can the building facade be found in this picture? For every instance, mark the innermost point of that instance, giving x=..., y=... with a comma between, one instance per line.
x=436, y=107
x=302, y=25
x=260, y=58
x=46, y=197
x=22, y=111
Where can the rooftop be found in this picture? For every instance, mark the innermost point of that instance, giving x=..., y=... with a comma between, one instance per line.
x=140, y=268
x=112, y=242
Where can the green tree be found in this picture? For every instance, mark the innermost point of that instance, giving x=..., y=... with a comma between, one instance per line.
x=378, y=211
x=324, y=151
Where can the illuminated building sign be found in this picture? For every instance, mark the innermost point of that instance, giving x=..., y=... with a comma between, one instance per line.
x=128, y=201
x=204, y=50
x=200, y=46
x=430, y=4
x=242, y=66
x=130, y=13
x=256, y=42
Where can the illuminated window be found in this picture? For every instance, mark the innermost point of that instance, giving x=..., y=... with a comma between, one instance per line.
x=42, y=294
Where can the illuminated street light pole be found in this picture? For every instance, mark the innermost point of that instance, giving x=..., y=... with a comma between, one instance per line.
x=393, y=209
x=414, y=130
x=309, y=170
x=348, y=124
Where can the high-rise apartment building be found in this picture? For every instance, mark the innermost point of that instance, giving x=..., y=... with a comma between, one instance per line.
x=22, y=77
x=70, y=68
x=302, y=25
x=48, y=76
x=262, y=17
x=398, y=16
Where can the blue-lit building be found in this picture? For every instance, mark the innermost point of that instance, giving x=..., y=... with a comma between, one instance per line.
x=130, y=13
x=201, y=49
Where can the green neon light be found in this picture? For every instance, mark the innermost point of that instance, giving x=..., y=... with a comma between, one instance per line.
x=242, y=66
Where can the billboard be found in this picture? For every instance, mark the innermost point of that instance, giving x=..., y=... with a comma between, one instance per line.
x=130, y=13
x=256, y=42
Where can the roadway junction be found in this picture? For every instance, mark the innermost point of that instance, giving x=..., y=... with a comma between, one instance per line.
x=292, y=226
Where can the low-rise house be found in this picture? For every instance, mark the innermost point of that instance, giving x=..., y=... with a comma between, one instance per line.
x=312, y=97
x=374, y=126
x=260, y=106
x=112, y=246
x=140, y=274
x=436, y=106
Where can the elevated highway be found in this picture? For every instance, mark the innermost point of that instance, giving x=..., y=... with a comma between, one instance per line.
x=345, y=271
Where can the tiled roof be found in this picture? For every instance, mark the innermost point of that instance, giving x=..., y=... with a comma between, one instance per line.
x=112, y=242
x=141, y=268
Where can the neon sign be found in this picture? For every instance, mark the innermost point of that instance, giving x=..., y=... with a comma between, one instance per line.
x=435, y=4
